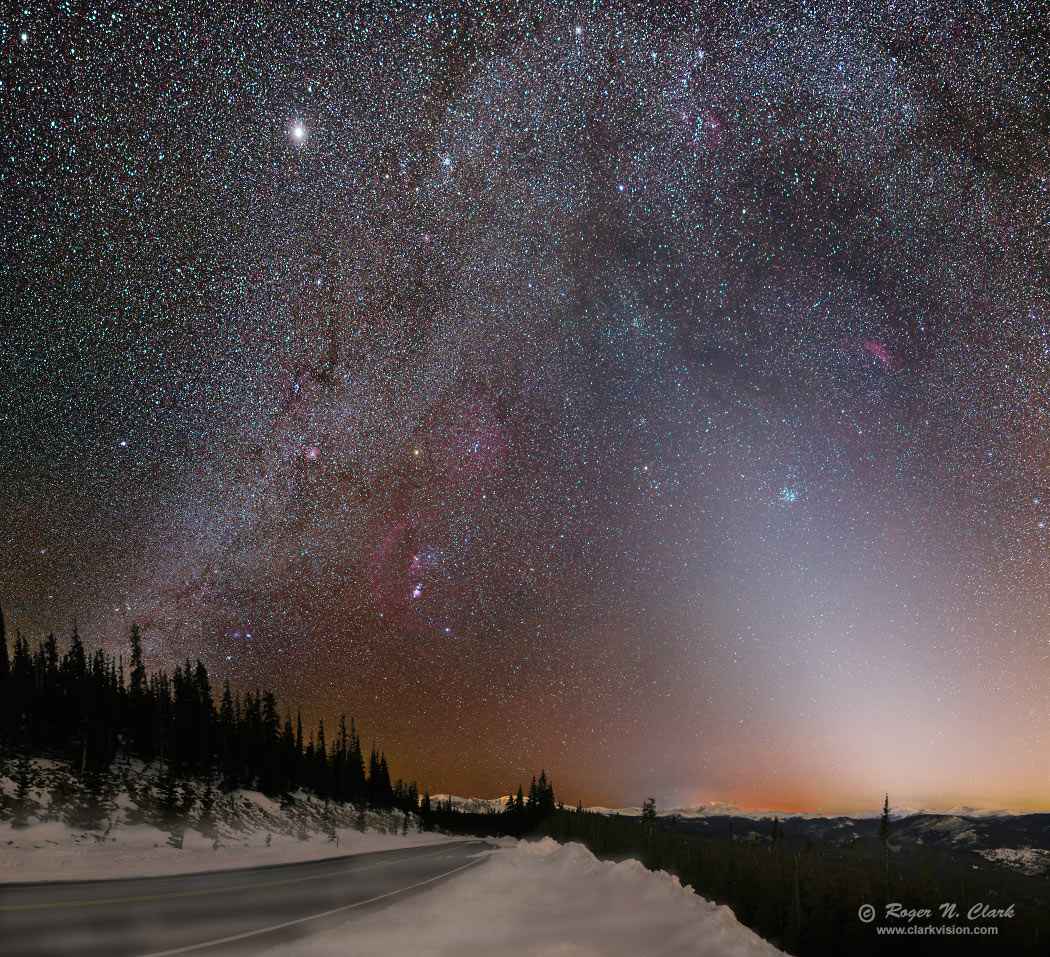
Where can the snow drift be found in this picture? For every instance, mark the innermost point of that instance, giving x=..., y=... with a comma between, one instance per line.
x=541, y=899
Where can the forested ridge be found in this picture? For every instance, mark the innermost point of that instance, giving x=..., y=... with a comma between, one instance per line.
x=88, y=710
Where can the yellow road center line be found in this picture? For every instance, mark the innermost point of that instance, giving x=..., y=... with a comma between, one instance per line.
x=223, y=890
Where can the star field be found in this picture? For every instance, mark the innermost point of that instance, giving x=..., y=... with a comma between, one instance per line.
x=658, y=397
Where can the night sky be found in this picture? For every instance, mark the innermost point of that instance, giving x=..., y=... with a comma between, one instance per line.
x=657, y=398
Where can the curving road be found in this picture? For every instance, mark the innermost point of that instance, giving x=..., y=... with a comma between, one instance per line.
x=221, y=912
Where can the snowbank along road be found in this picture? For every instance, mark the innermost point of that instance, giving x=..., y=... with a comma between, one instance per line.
x=230, y=911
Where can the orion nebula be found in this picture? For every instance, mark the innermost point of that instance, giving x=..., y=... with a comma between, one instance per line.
x=658, y=396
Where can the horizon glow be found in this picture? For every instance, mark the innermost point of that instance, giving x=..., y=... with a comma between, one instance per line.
x=656, y=398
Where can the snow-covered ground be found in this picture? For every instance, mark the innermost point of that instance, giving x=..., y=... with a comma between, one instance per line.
x=541, y=899
x=133, y=837
x=524, y=898
x=1028, y=860
x=54, y=851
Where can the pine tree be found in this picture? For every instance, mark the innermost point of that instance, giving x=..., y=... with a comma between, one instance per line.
x=5, y=664
x=884, y=841
x=649, y=815
x=227, y=731
x=289, y=760
x=544, y=795
x=356, y=767
x=138, y=700
x=385, y=791
x=74, y=666
x=138, y=669
x=926, y=884
x=206, y=821
x=23, y=687
x=203, y=718
x=78, y=707
x=21, y=809
x=6, y=687
x=320, y=769
x=340, y=753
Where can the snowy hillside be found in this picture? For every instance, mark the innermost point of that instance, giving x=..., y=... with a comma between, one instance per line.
x=1032, y=861
x=546, y=897
x=900, y=811
x=543, y=899
x=127, y=829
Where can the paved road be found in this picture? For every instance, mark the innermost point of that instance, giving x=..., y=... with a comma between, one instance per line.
x=220, y=912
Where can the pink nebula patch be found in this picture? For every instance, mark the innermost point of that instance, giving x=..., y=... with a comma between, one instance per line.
x=878, y=350
x=402, y=562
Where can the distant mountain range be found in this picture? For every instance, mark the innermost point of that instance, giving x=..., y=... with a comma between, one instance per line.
x=472, y=805
x=1016, y=839
x=718, y=809
x=724, y=810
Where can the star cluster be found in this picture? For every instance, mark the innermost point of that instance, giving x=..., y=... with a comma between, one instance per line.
x=656, y=396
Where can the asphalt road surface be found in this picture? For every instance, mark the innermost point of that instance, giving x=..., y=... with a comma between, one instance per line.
x=221, y=912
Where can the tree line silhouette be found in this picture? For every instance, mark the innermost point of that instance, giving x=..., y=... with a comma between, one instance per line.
x=86, y=709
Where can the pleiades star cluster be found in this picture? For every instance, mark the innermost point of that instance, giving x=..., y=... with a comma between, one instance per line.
x=657, y=394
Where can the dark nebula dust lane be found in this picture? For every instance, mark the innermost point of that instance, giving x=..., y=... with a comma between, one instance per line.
x=659, y=397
